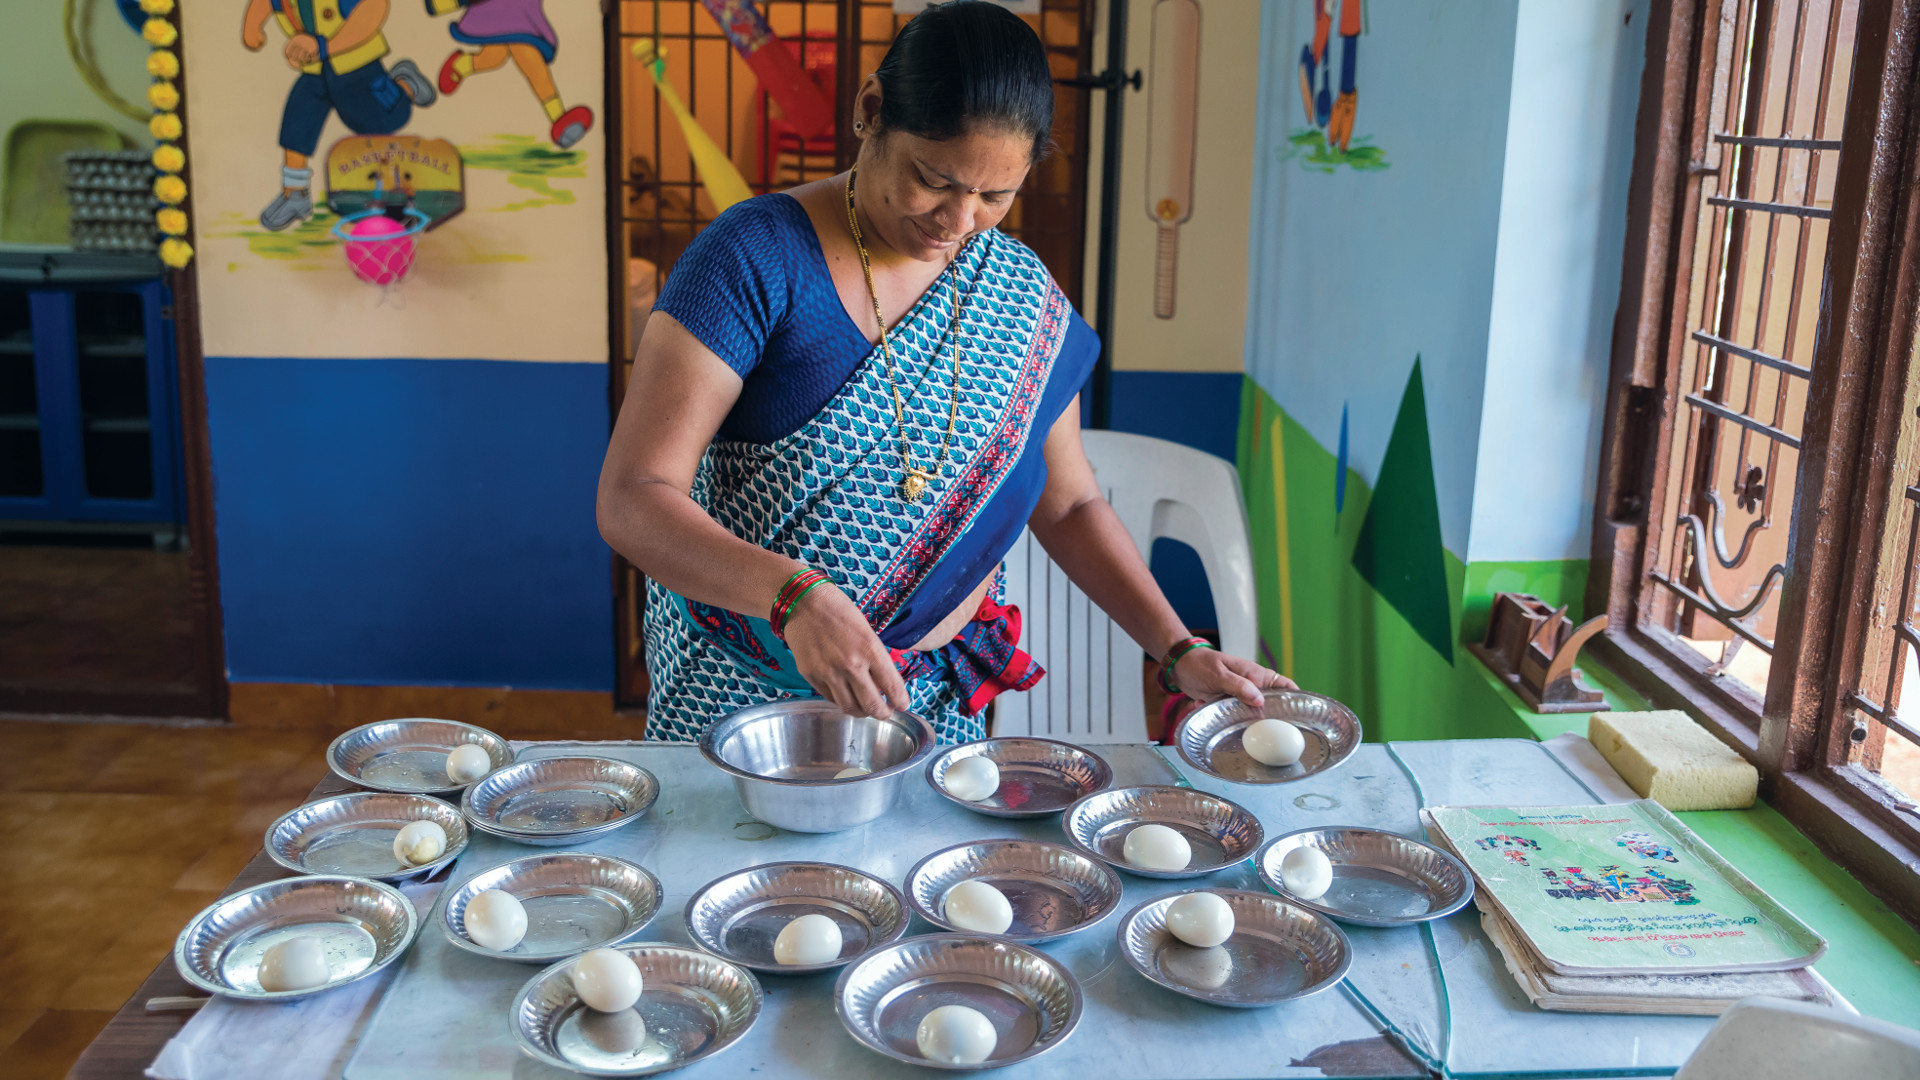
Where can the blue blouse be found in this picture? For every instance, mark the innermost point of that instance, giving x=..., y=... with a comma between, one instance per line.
x=754, y=288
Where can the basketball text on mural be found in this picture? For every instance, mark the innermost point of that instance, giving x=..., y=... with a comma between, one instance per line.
x=395, y=170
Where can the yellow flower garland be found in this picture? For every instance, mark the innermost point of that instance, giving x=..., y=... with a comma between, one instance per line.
x=168, y=159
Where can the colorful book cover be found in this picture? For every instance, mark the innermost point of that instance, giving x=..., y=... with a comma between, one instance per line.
x=1622, y=889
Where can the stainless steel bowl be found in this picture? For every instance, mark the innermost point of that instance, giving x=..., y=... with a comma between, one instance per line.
x=783, y=757
x=1379, y=878
x=1210, y=738
x=1054, y=890
x=1031, y=998
x=409, y=756
x=692, y=1006
x=574, y=902
x=1221, y=833
x=562, y=800
x=1037, y=776
x=353, y=835
x=362, y=925
x=1278, y=951
x=738, y=916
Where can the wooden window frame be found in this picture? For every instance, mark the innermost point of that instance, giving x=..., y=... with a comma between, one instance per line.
x=1799, y=736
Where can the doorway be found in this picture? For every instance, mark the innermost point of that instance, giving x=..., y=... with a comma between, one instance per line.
x=656, y=203
x=105, y=604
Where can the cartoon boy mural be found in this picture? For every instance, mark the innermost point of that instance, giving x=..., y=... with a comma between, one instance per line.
x=515, y=30
x=1323, y=109
x=336, y=46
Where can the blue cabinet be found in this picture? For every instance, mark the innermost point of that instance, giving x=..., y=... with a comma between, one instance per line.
x=89, y=411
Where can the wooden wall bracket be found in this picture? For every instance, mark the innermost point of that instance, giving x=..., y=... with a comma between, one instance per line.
x=1532, y=647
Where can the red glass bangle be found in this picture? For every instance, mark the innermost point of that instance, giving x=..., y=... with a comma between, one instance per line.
x=1180, y=649
x=797, y=586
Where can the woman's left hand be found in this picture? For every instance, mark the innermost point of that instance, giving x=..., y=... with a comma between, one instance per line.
x=1209, y=674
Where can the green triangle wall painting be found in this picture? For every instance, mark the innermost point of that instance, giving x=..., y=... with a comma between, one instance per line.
x=1399, y=551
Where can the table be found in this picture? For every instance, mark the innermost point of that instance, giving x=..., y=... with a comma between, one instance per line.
x=1414, y=996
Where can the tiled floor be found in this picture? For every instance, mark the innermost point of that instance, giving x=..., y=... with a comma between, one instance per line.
x=111, y=837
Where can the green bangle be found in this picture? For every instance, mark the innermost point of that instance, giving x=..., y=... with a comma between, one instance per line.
x=1180, y=649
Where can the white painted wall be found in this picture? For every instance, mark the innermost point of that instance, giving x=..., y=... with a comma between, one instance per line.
x=1556, y=277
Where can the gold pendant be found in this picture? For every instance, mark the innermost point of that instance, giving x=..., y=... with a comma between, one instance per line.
x=913, y=485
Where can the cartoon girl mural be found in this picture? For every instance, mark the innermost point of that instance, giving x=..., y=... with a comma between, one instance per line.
x=515, y=30
x=336, y=46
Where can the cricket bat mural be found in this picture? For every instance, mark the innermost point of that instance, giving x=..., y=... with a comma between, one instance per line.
x=1173, y=92
x=723, y=182
x=778, y=70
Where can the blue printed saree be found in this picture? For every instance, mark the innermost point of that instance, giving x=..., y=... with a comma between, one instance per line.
x=827, y=495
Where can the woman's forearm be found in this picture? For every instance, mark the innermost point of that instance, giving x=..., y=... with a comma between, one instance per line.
x=1094, y=548
x=669, y=538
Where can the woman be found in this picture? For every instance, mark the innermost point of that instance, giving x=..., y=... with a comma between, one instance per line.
x=850, y=398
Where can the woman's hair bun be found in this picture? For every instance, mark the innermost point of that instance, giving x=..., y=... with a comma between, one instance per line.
x=964, y=65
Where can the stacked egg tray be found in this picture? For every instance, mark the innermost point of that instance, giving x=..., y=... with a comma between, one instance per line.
x=110, y=201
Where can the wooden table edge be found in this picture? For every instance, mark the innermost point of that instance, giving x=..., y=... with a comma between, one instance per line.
x=134, y=1037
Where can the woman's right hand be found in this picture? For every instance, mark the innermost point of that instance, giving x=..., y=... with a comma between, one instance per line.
x=840, y=655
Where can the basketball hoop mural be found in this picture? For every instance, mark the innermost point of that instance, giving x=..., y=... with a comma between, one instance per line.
x=388, y=189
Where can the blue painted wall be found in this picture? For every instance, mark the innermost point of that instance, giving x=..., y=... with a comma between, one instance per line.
x=398, y=521
x=1197, y=409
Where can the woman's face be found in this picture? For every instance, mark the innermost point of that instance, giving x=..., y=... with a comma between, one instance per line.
x=926, y=197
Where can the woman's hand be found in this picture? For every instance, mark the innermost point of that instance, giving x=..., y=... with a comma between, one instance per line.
x=840, y=655
x=1209, y=674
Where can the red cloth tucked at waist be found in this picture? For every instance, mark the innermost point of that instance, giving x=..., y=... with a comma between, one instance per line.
x=983, y=658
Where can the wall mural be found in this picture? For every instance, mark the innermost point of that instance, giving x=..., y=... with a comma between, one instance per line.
x=398, y=162
x=515, y=30
x=1328, y=141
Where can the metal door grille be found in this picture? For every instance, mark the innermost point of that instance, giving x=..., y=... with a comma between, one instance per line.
x=660, y=205
x=1745, y=324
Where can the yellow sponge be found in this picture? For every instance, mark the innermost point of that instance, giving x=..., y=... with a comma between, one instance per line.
x=1668, y=758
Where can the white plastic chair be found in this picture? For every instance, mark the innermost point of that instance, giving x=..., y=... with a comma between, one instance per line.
x=1092, y=692
x=1770, y=1039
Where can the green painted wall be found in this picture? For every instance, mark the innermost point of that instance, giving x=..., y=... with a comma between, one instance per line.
x=1324, y=625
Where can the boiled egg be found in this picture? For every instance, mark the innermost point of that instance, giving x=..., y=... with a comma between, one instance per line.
x=850, y=772
x=615, y=1032
x=298, y=963
x=973, y=778
x=1201, y=919
x=495, y=920
x=809, y=939
x=419, y=843
x=978, y=906
x=468, y=762
x=956, y=1035
x=606, y=980
x=1306, y=872
x=1273, y=742
x=1157, y=847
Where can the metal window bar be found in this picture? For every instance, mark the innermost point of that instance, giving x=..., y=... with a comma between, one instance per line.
x=1770, y=168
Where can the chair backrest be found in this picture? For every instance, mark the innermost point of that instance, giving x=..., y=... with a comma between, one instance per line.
x=1093, y=691
x=1771, y=1039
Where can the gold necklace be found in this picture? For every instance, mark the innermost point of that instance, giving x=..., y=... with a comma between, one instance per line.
x=913, y=480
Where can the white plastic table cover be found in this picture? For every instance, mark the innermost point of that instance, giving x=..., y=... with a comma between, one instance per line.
x=1417, y=1001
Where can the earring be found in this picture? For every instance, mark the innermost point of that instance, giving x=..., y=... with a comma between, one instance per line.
x=857, y=125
